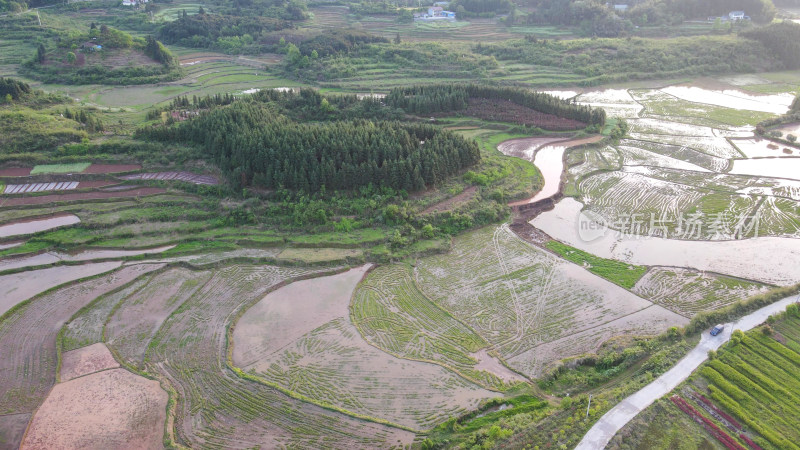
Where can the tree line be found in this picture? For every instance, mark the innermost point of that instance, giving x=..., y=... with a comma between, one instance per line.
x=11, y=89
x=782, y=39
x=254, y=145
x=426, y=99
x=204, y=30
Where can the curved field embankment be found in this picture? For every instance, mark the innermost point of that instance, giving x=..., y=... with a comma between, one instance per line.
x=18, y=287
x=219, y=407
x=138, y=317
x=78, y=196
x=35, y=225
x=301, y=338
x=532, y=307
x=770, y=260
x=392, y=314
x=688, y=292
x=28, y=337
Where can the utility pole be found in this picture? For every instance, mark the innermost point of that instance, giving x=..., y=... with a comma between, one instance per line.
x=38, y=18
x=588, y=406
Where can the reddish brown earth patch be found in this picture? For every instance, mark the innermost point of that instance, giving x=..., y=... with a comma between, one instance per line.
x=506, y=111
x=112, y=168
x=44, y=199
x=86, y=360
x=109, y=409
x=449, y=203
x=16, y=172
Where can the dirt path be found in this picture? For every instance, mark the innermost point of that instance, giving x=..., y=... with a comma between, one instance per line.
x=616, y=418
x=448, y=203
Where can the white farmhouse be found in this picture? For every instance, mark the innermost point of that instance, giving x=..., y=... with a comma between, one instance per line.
x=736, y=15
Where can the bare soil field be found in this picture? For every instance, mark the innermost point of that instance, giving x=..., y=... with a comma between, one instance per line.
x=218, y=408
x=35, y=225
x=28, y=337
x=520, y=299
x=109, y=409
x=62, y=198
x=86, y=360
x=506, y=111
x=465, y=196
x=16, y=172
x=301, y=337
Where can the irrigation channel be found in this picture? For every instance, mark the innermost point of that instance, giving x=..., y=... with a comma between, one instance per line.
x=613, y=421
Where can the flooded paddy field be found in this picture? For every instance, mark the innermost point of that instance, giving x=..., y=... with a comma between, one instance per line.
x=307, y=342
x=31, y=226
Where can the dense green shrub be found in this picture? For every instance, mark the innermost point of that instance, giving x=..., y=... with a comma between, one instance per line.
x=781, y=39
x=425, y=99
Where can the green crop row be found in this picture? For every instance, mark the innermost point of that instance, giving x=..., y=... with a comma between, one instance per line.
x=623, y=274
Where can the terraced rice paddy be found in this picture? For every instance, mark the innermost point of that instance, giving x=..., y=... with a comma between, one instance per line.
x=763, y=148
x=306, y=343
x=473, y=30
x=392, y=314
x=18, y=287
x=775, y=104
x=532, y=307
x=768, y=167
x=656, y=181
x=764, y=259
x=43, y=259
x=179, y=176
x=221, y=408
x=28, y=335
x=282, y=345
x=31, y=226
x=137, y=318
x=688, y=292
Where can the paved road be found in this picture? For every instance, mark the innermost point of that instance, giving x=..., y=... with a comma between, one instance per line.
x=604, y=429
